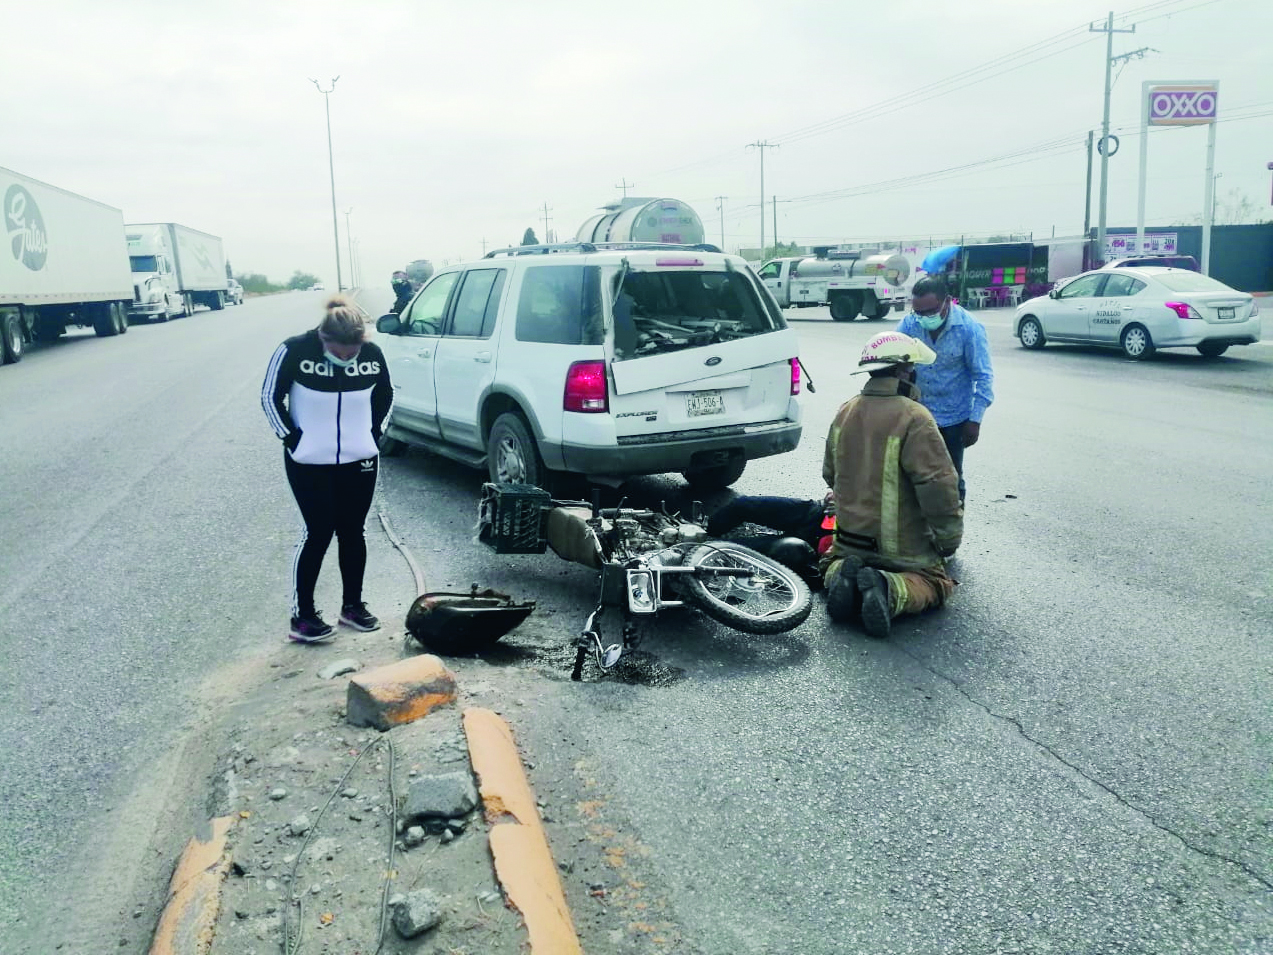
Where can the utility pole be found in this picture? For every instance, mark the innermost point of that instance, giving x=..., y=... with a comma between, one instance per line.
x=546, y=221
x=483, y=247
x=775, y=198
x=331, y=168
x=1087, y=196
x=349, y=244
x=762, y=146
x=1108, y=29
x=720, y=207
x=625, y=186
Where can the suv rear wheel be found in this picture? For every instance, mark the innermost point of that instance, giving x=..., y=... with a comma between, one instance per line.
x=716, y=478
x=512, y=457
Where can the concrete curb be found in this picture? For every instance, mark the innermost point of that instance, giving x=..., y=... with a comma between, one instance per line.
x=523, y=860
x=194, y=894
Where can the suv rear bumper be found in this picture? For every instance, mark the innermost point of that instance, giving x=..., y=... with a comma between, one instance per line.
x=682, y=450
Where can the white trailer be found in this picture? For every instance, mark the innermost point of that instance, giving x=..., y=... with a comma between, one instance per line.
x=851, y=283
x=64, y=263
x=174, y=269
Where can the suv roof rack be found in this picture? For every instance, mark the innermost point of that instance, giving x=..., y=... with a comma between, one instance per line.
x=600, y=247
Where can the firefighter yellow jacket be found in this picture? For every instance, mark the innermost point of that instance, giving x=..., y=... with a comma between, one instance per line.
x=896, y=490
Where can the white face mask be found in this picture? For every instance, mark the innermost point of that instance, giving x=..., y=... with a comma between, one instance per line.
x=339, y=362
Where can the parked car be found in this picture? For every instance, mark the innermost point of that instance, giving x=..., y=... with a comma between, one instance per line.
x=1141, y=310
x=609, y=362
x=316, y=287
x=234, y=293
x=1164, y=261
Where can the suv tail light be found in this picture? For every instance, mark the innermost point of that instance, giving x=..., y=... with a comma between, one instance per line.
x=1255, y=308
x=795, y=376
x=1183, y=309
x=586, y=388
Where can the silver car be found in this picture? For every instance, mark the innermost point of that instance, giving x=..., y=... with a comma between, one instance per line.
x=1141, y=310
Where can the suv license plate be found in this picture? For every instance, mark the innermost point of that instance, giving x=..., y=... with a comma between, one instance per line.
x=1225, y=313
x=704, y=402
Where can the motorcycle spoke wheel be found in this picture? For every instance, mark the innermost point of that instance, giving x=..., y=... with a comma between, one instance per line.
x=770, y=599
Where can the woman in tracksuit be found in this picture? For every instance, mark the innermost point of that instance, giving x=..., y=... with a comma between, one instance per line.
x=327, y=394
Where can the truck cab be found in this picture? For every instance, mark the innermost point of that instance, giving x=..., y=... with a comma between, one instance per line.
x=776, y=274
x=155, y=293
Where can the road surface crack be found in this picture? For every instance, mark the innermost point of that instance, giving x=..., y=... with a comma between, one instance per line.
x=1021, y=730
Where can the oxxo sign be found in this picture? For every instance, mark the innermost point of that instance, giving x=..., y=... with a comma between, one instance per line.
x=1182, y=105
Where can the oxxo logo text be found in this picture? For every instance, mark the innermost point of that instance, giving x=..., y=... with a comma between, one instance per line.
x=25, y=227
x=325, y=369
x=1182, y=106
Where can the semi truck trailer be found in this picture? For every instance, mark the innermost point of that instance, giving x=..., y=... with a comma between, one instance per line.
x=64, y=263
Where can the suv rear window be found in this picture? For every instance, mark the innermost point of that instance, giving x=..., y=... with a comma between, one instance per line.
x=561, y=305
x=667, y=310
x=1191, y=282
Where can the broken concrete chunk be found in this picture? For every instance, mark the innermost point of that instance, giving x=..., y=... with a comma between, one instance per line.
x=415, y=913
x=339, y=668
x=444, y=796
x=399, y=693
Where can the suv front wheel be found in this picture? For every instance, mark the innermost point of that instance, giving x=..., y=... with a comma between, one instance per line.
x=512, y=456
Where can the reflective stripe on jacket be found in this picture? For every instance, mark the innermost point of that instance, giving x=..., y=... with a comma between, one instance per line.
x=896, y=490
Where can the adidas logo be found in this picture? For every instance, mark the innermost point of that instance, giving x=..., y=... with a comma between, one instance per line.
x=324, y=369
x=369, y=464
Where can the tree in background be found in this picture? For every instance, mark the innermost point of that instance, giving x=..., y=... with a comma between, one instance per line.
x=301, y=280
x=258, y=283
x=528, y=237
x=783, y=250
x=1236, y=208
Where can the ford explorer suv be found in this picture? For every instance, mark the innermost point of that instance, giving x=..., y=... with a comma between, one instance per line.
x=603, y=360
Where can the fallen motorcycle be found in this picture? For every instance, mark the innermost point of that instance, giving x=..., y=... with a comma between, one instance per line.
x=647, y=561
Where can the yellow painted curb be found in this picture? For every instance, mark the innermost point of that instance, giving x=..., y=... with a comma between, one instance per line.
x=523, y=861
x=194, y=894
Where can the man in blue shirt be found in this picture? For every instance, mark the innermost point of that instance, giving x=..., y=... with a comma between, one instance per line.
x=959, y=386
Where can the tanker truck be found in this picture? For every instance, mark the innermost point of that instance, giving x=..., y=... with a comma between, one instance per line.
x=64, y=263
x=637, y=219
x=851, y=283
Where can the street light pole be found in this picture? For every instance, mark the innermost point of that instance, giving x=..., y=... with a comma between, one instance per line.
x=349, y=242
x=331, y=168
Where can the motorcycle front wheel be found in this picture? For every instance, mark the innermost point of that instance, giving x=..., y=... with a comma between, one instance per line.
x=770, y=599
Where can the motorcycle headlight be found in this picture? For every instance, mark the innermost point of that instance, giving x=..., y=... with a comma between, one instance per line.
x=641, y=595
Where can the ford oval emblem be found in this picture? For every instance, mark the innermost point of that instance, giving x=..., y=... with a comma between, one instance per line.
x=713, y=361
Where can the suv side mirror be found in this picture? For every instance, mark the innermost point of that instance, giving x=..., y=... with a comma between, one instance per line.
x=1054, y=293
x=390, y=324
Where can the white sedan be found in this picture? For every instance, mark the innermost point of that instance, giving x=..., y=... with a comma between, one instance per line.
x=1141, y=310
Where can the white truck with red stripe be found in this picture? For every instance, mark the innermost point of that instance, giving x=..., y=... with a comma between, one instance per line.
x=64, y=263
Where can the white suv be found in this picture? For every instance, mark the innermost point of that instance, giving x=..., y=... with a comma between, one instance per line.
x=603, y=360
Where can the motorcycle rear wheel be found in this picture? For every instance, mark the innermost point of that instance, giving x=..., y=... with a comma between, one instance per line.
x=773, y=599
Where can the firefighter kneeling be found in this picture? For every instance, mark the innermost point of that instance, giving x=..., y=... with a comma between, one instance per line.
x=898, y=514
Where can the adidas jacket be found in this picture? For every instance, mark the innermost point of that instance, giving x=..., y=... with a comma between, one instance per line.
x=326, y=414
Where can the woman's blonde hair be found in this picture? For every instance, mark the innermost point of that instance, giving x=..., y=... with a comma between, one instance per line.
x=344, y=323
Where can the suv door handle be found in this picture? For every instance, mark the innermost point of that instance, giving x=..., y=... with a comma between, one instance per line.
x=425, y=353
x=482, y=356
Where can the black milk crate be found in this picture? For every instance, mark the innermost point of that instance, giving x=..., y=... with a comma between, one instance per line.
x=518, y=513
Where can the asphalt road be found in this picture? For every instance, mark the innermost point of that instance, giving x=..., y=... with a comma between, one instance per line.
x=1073, y=757
x=147, y=538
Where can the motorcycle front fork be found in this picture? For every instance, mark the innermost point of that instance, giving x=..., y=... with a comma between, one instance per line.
x=590, y=639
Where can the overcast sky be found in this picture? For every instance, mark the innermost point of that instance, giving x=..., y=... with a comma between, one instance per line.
x=454, y=123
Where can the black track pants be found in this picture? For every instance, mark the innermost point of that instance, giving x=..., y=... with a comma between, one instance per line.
x=334, y=499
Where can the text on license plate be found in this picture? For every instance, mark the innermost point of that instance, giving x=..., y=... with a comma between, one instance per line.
x=1225, y=312
x=704, y=402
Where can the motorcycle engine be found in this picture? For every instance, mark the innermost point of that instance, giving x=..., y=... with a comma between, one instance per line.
x=682, y=534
